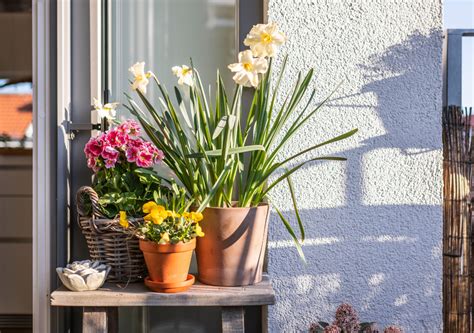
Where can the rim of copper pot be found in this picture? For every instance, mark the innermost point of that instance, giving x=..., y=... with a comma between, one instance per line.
x=262, y=204
x=167, y=248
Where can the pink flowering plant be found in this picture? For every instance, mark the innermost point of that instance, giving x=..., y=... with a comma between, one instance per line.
x=122, y=162
x=347, y=321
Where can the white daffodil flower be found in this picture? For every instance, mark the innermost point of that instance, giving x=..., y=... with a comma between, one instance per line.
x=184, y=74
x=248, y=68
x=140, y=77
x=264, y=39
x=105, y=111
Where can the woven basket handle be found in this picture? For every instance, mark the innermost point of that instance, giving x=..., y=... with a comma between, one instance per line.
x=82, y=194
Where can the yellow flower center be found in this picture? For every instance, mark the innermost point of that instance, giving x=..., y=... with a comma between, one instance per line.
x=139, y=78
x=266, y=37
x=186, y=71
x=247, y=66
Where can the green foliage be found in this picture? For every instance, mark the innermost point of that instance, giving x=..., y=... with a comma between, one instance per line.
x=126, y=187
x=222, y=156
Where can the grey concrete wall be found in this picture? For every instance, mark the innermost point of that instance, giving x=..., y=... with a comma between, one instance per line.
x=374, y=223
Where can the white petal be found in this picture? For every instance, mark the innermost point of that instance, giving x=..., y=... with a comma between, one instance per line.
x=271, y=28
x=112, y=114
x=271, y=50
x=253, y=79
x=235, y=67
x=279, y=38
x=188, y=80
x=176, y=70
x=111, y=106
x=138, y=69
x=135, y=84
x=102, y=113
x=240, y=78
x=97, y=104
x=260, y=65
x=245, y=56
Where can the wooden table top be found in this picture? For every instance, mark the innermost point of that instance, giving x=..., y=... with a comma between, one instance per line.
x=136, y=294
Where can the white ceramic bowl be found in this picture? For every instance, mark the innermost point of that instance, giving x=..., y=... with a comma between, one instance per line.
x=83, y=275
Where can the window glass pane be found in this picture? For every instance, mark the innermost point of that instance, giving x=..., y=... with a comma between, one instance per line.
x=459, y=14
x=165, y=33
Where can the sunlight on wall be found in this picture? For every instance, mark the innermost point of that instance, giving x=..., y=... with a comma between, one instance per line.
x=389, y=239
x=307, y=242
x=376, y=279
x=412, y=170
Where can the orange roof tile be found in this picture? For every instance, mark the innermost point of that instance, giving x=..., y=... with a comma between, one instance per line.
x=16, y=113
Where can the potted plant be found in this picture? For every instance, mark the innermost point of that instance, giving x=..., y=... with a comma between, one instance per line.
x=346, y=320
x=224, y=151
x=123, y=181
x=167, y=240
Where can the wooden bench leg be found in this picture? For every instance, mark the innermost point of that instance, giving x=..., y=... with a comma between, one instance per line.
x=99, y=320
x=233, y=319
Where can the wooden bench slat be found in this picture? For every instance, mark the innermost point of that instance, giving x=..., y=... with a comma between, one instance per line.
x=137, y=294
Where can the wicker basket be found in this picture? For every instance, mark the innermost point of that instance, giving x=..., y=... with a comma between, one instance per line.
x=107, y=242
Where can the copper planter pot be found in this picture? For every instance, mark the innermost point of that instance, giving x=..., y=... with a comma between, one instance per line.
x=233, y=249
x=168, y=263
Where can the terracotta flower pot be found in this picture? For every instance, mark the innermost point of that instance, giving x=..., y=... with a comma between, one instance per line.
x=233, y=249
x=167, y=263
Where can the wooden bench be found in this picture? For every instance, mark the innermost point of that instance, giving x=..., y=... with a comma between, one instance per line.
x=100, y=307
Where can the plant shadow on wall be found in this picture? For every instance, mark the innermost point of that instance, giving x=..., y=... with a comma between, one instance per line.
x=380, y=248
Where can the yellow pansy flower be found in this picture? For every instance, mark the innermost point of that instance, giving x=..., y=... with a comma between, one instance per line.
x=196, y=217
x=199, y=232
x=157, y=215
x=172, y=214
x=148, y=206
x=186, y=215
x=123, y=219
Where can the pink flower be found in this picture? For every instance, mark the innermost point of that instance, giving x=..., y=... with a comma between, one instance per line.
x=159, y=156
x=134, y=128
x=346, y=318
x=392, y=329
x=137, y=143
x=129, y=127
x=332, y=329
x=92, y=164
x=132, y=153
x=110, y=163
x=94, y=146
x=117, y=138
x=144, y=159
x=110, y=153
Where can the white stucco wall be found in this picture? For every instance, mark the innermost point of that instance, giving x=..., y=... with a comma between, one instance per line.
x=374, y=223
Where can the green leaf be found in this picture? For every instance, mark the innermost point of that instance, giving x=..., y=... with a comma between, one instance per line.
x=335, y=139
x=214, y=188
x=218, y=152
x=292, y=234
x=295, y=206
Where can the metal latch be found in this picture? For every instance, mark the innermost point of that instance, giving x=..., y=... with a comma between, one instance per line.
x=72, y=128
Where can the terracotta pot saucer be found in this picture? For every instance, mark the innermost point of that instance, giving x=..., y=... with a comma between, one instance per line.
x=170, y=287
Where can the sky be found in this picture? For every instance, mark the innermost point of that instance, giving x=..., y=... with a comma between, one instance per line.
x=459, y=14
